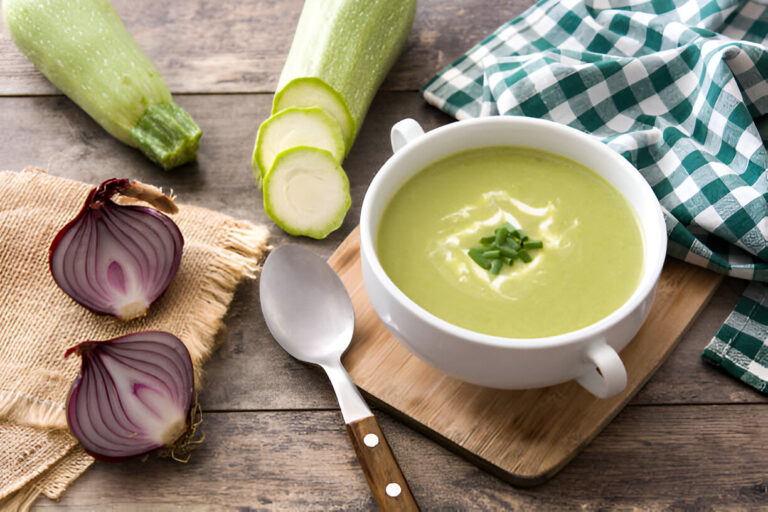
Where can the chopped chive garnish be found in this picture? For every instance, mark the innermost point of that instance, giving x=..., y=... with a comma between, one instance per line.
x=506, y=251
x=519, y=235
x=533, y=244
x=506, y=245
x=477, y=256
x=512, y=244
x=501, y=235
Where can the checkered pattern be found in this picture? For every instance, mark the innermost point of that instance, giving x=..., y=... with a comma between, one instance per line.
x=676, y=87
x=739, y=346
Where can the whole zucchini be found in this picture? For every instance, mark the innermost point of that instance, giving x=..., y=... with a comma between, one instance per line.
x=84, y=49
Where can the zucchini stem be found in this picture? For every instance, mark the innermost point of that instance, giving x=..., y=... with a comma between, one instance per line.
x=167, y=135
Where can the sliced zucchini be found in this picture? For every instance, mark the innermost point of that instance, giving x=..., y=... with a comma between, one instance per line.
x=314, y=92
x=341, y=52
x=306, y=192
x=295, y=127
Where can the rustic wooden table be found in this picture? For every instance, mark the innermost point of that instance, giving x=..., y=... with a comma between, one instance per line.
x=693, y=438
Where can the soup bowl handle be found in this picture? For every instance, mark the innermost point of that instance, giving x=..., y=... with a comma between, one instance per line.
x=608, y=377
x=403, y=132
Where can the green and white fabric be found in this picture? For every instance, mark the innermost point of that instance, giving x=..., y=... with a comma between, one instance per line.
x=740, y=347
x=680, y=89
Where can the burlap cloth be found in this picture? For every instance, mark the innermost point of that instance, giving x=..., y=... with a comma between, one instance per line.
x=39, y=322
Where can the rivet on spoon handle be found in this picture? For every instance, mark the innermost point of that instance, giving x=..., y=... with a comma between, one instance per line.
x=379, y=466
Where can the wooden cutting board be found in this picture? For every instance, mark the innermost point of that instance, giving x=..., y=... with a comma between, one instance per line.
x=524, y=437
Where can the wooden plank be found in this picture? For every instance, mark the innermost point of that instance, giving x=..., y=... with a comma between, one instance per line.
x=52, y=132
x=652, y=458
x=229, y=46
x=523, y=436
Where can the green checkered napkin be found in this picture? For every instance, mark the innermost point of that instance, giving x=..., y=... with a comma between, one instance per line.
x=679, y=88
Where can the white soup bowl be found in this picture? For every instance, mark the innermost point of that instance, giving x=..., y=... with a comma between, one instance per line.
x=590, y=354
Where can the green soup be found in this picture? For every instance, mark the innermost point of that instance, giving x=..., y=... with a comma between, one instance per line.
x=589, y=266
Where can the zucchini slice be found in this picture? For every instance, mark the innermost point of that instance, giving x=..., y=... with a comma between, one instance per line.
x=306, y=192
x=295, y=127
x=313, y=92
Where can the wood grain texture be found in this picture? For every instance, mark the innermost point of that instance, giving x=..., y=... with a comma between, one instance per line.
x=380, y=466
x=211, y=46
x=648, y=458
x=525, y=436
x=673, y=456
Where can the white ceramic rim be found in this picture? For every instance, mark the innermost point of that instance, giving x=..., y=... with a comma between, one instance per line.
x=651, y=272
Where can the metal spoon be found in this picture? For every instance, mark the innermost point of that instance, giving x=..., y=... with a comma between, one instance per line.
x=309, y=312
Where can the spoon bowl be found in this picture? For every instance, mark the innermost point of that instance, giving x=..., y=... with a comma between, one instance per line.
x=305, y=305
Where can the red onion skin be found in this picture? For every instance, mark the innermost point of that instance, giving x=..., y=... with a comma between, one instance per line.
x=96, y=199
x=87, y=346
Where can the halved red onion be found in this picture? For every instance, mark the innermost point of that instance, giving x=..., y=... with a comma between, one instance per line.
x=133, y=394
x=118, y=259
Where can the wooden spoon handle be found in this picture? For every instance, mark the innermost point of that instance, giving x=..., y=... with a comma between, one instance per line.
x=379, y=465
